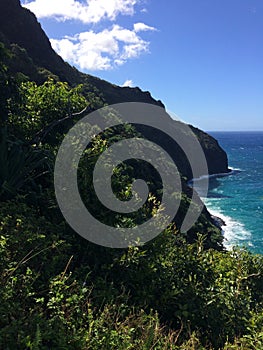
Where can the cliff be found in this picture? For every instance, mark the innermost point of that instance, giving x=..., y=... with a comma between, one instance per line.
x=34, y=57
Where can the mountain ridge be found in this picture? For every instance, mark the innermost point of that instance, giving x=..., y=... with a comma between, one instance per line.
x=20, y=29
x=20, y=26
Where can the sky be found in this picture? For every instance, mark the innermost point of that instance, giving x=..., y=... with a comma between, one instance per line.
x=202, y=58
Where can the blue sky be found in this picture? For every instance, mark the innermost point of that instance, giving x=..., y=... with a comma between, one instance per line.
x=202, y=58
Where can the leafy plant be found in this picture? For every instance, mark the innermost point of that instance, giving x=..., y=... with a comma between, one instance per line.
x=20, y=165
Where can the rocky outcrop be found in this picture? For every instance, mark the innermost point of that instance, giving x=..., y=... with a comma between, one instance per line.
x=216, y=157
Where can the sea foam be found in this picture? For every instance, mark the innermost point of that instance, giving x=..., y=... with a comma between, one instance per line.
x=234, y=232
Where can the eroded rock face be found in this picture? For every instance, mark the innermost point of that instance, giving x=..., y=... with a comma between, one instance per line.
x=216, y=157
x=21, y=27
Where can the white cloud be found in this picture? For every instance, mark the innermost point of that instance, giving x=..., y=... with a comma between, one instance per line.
x=88, y=11
x=65, y=48
x=140, y=27
x=128, y=83
x=94, y=50
x=102, y=50
x=134, y=50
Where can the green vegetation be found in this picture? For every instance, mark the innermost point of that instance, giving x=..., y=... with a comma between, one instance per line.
x=59, y=291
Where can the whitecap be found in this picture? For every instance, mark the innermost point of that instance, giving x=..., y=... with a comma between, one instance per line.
x=234, y=232
x=231, y=171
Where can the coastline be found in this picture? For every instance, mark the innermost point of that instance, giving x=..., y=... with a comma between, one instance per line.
x=232, y=230
x=218, y=222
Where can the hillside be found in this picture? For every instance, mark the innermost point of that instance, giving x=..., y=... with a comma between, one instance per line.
x=19, y=26
x=31, y=57
x=179, y=291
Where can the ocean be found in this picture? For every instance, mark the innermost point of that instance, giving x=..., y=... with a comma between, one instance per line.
x=238, y=198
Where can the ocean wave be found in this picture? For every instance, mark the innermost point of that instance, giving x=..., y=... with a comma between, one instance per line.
x=204, y=177
x=234, y=232
x=235, y=170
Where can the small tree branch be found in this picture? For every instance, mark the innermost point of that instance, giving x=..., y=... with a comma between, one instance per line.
x=40, y=135
x=249, y=276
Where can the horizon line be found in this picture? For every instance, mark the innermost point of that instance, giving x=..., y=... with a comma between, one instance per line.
x=233, y=130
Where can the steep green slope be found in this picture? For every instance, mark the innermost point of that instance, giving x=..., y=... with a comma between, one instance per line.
x=19, y=26
x=30, y=57
x=60, y=291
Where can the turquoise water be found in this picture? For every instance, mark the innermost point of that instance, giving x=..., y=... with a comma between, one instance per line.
x=238, y=198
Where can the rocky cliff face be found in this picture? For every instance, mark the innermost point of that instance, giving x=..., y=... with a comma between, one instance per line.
x=20, y=27
x=216, y=157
